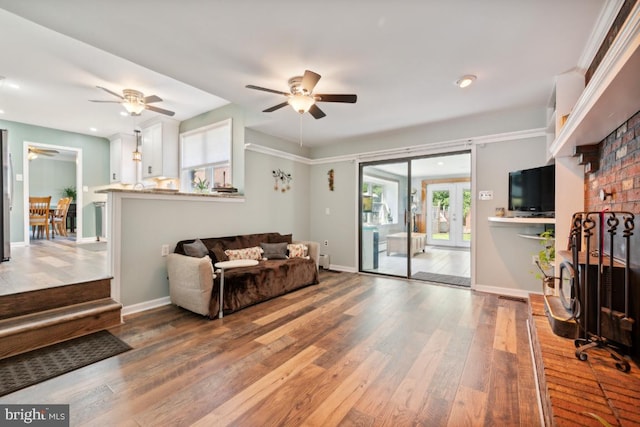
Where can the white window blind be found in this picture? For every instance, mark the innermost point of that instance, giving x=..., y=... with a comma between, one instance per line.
x=207, y=146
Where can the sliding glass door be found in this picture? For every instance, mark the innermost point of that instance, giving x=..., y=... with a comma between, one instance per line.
x=415, y=216
x=383, y=218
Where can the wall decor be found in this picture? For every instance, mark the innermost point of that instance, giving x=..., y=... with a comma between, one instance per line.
x=330, y=173
x=282, y=180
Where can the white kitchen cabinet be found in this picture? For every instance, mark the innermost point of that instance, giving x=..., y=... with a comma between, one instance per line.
x=160, y=149
x=122, y=168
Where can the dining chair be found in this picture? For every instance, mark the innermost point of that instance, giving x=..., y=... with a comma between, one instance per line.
x=39, y=214
x=59, y=217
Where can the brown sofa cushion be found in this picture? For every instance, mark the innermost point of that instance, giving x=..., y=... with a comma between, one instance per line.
x=246, y=286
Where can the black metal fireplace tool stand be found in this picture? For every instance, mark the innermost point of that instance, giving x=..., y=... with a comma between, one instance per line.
x=598, y=275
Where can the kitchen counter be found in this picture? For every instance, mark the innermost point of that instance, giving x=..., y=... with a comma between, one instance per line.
x=167, y=193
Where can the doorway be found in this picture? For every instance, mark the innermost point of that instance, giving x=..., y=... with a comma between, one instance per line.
x=415, y=218
x=58, y=158
x=449, y=214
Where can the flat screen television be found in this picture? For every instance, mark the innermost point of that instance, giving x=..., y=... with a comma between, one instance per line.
x=533, y=190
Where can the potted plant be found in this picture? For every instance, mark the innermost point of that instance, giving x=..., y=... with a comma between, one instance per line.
x=70, y=191
x=201, y=185
x=546, y=258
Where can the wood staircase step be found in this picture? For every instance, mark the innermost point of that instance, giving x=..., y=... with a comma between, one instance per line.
x=34, y=330
x=22, y=303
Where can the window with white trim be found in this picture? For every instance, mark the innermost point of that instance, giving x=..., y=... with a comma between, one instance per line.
x=205, y=157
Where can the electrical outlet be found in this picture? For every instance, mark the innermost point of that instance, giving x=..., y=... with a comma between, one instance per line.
x=164, y=251
x=326, y=243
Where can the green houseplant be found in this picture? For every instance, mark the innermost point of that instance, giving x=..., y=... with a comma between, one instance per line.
x=201, y=185
x=70, y=191
x=546, y=258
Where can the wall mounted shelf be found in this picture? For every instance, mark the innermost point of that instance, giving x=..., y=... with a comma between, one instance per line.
x=522, y=220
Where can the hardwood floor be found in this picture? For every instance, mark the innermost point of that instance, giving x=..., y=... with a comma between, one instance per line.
x=46, y=263
x=354, y=350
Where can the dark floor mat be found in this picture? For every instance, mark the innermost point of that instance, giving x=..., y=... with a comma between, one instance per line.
x=442, y=278
x=30, y=368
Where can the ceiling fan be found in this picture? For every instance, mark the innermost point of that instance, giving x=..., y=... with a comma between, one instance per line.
x=34, y=152
x=43, y=151
x=135, y=102
x=302, y=98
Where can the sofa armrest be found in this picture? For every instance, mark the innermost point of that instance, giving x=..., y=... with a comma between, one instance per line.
x=190, y=282
x=314, y=250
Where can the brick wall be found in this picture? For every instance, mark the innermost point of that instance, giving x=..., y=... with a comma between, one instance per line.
x=619, y=170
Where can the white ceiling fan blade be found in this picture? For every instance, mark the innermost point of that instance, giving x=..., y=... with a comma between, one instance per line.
x=159, y=110
x=152, y=98
x=111, y=92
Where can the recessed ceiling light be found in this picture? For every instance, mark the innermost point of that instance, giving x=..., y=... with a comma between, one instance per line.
x=1, y=111
x=93, y=129
x=14, y=86
x=465, y=81
x=124, y=114
x=440, y=163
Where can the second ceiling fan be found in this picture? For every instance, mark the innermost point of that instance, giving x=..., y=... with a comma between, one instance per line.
x=135, y=102
x=302, y=98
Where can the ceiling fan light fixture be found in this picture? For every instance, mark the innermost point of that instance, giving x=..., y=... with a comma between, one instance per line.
x=133, y=101
x=301, y=103
x=465, y=81
x=133, y=107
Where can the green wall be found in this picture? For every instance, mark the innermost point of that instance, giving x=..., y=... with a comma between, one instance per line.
x=236, y=114
x=143, y=269
x=48, y=177
x=95, y=172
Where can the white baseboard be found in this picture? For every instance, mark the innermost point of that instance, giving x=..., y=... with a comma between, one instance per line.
x=147, y=305
x=90, y=240
x=517, y=293
x=342, y=268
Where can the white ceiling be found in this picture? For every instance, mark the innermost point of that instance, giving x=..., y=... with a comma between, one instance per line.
x=401, y=59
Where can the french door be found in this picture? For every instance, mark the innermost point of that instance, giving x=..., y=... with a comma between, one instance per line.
x=449, y=214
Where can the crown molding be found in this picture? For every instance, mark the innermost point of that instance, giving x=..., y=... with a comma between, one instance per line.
x=603, y=24
x=409, y=151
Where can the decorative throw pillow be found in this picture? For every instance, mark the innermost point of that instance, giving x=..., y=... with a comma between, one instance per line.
x=297, y=250
x=196, y=249
x=245, y=253
x=217, y=253
x=274, y=250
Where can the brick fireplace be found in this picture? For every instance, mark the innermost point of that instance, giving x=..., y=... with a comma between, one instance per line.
x=577, y=392
x=619, y=174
